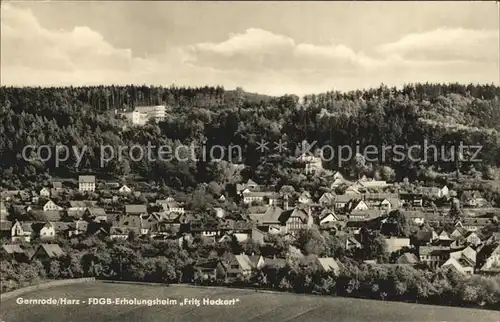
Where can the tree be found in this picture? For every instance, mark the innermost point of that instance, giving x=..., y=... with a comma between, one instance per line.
x=311, y=241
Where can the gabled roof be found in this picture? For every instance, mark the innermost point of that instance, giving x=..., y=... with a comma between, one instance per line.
x=52, y=215
x=52, y=250
x=407, y=258
x=96, y=211
x=244, y=262
x=296, y=212
x=272, y=215
x=328, y=196
x=250, y=182
x=329, y=264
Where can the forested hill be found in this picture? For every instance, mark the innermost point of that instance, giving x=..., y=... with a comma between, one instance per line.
x=442, y=114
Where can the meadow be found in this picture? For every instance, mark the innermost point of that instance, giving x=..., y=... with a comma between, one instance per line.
x=249, y=306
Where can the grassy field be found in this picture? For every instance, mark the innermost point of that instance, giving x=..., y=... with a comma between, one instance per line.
x=252, y=306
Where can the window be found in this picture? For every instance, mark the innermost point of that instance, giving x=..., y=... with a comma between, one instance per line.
x=235, y=266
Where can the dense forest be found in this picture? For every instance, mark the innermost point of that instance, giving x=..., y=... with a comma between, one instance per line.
x=443, y=114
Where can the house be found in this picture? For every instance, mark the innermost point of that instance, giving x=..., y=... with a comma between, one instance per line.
x=327, y=199
x=45, y=230
x=5, y=228
x=475, y=223
x=296, y=219
x=313, y=164
x=274, y=262
x=136, y=210
x=119, y=233
x=51, y=206
x=489, y=259
x=352, y=191
x=124, y=189
x=328, y=264
x=46, y=252
x=468, y=253
x=423, y=237
x=472, y=238
x=472, y=199
x=337, y=183
x=459, y=265
x=219, y=212
x=170, y=205
x=3, y=211
x=396, y=243
x=86, y=183
x=44, y=192
x=250, y=197
x=459, y=232
x=239, y=265
x=21, y=232
x=337, y=175
x=15, y=252
x=352, y=243
x=211, y=269
x=372, y=184
x=250, y=185
x=359, y=205
x=96, y=214
x=407, y=259
x=416, y=217
x=77, y=228
x=222, y=198
x=444, y=236
x=328, y=216
x=270, y=219
x=257, y=261
x=258, y=236
x=363, y=215
x=305, y=197
x=341, y=201
x=434, y=256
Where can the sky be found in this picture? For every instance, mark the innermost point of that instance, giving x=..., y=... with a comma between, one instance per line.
x=267, y=47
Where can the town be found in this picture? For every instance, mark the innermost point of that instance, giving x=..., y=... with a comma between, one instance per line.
x=285, y=219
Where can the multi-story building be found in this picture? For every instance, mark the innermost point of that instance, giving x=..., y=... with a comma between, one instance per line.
x=142, y=114
x=86, y=183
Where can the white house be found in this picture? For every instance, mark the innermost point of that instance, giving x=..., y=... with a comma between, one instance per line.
x=360, y=206
x=305, y=197
x=124, y=189
x=21, y=232
x=86, y=183
x=51, y=206
x=47, y=231
x=44, y=192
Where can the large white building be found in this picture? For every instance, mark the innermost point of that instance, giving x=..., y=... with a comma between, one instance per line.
x=142, y=114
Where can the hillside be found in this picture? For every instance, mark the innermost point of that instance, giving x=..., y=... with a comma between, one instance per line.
x=444, y=115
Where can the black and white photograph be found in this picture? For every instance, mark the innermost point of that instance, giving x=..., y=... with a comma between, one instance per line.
x=249, y=161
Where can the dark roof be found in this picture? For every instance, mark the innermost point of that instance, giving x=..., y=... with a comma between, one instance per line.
x=275, y=262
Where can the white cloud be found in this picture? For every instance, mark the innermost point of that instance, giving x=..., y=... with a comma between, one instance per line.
x=258, y=60
x=445, y=45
